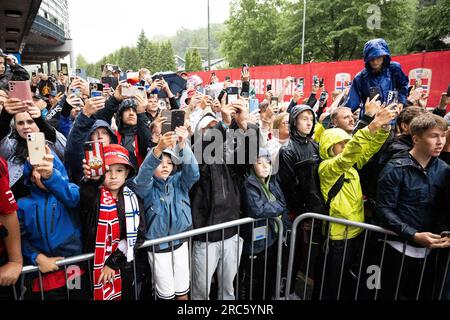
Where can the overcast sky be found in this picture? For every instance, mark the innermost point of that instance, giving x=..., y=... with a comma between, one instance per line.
x=99, y=27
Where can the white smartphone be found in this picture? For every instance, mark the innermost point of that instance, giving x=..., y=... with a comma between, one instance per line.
x=36, y=147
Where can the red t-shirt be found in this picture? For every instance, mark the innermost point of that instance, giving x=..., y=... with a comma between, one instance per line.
x=8, y=204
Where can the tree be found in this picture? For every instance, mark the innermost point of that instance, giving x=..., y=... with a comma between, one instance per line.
x=81, y=62
x=167, y=57
x=193, y=61
x=430, y=27
x=252, y=32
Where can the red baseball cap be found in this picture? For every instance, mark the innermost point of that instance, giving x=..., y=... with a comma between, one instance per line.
x=116, y=154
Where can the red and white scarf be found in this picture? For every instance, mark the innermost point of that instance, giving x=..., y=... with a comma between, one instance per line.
x=107, y=242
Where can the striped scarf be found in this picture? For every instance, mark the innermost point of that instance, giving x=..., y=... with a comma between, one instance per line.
x=107, y=242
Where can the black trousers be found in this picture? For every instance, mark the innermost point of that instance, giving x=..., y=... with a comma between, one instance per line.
x=409, y=278
x=333, y=286
x=257, y=278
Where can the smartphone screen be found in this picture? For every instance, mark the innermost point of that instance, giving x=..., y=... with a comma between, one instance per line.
x=95, y=158
x=232, y=94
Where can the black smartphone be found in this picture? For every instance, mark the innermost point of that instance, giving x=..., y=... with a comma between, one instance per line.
x=61, y=89
x=321, y=82
x=96, y=86
x=228, y=78
x=323, y=96
x=178, y=118
x=445, y=234
x=167, y=125
x=232, y=94
x=373, y=91
x=448, y=91
x=269, y=87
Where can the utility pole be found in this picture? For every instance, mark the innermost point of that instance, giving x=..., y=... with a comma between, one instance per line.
x=303, y=33
x=209, y=41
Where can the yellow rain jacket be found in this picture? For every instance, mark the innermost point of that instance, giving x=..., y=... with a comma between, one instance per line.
x=348, y=203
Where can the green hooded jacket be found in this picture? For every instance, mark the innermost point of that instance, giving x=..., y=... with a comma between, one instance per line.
x=348, y=203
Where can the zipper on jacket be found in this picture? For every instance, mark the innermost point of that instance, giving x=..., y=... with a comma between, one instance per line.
x=46, y=226
x=37, y=222
x=52, y=230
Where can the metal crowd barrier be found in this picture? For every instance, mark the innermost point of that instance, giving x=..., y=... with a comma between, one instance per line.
x=367, y=228
x=183, y=236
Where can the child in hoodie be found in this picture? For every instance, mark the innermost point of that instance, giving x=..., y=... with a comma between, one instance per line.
x=262, y=199
x=341, y=153
x=168, y=211
x=50, y=229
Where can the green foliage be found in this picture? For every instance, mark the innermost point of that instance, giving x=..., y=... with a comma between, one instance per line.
x=263, y=32
x=193, y=61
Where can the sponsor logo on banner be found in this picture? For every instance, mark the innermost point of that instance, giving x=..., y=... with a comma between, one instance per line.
x=423, y=76
x=342, y=81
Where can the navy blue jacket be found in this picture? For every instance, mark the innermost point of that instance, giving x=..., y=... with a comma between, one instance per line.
x=81, y=131
x=256, y=205
x=391, y=77
x=410, y=200
x=48, y=221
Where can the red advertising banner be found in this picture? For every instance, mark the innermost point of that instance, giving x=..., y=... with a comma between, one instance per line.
x=433, y=68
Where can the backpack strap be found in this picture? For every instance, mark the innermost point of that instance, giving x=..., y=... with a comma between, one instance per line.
x=335, y=190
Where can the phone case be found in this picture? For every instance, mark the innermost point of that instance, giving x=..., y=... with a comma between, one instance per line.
x=20, y=90
x=93, y=152
x=178, y=117
x=36, y=147
x=166, y=126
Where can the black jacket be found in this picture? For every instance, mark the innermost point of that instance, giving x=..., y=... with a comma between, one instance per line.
x=89, y=210
x=411, y=199
x=299, y=164
x=215, y=198
x=15, y=73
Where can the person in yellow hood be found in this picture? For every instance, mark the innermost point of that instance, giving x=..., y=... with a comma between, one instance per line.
x=340, y=154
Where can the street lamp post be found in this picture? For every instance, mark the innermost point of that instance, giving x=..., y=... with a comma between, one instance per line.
x=209, y=41
x=303, y=33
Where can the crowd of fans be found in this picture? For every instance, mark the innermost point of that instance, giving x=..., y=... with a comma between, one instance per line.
x=378, y=154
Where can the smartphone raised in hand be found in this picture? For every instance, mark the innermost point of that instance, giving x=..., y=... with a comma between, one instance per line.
x=167, y=125
x=36, y=147
x=232, y=94
x=20, y=90
x=177, y=119
x=95, y=158
x=373, y=91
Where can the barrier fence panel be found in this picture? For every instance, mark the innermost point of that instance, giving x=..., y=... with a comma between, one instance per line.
x=338, y=261
x=189, y=238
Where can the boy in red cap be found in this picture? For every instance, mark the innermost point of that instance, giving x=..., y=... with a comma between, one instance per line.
x=113, y=225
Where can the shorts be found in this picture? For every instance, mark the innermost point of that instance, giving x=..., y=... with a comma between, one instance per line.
x=170, y=272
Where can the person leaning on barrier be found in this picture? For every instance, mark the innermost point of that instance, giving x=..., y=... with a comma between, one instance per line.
x=341, y=153
x=262, y=199
x=10, y=253
x=166, y=199
x=50, y=228
x=113, y=224
x=412, y=201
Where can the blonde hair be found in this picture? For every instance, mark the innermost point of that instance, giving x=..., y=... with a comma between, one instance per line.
x=278, y=120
